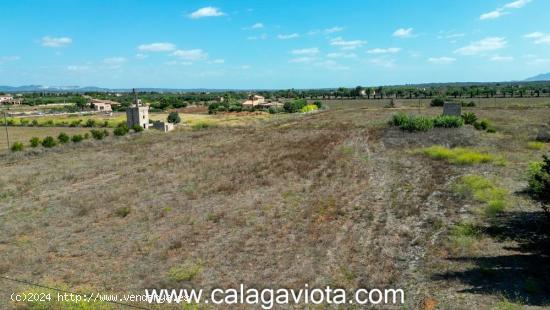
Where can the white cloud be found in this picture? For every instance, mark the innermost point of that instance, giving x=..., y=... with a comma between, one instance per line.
x=114, y=62
x=217, y=61
x=56, y=42
x=257, y=26
x=518, y=4
x=539, y=37
x=306, y=51
x=157, y=47
x=498, y=58
x=341, y=55
x=347, y=45
x=178, y=63
x=141, y=56
x=441, y=60
x=206, y=12
x=333, y=29
x=305, y=59
x=246, y=67
x=493, y=14
x=487, y=44
x=390, y=50
x=191, y=55
x=403, y=33
x=288, y=36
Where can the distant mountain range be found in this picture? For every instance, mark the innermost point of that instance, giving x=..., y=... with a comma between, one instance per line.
x=540, y=77
x=81, y=89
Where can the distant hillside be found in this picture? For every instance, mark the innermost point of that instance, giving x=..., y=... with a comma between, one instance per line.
x=540, y=77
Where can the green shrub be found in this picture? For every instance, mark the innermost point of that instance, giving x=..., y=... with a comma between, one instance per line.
x=174, y=118
x=137, y=128
x=185, y=272
x=35, y=141
x=539, y=182
x=412, y=123
x=63, y=138
x=34, y=122
x=122, y=211
x=468, y=104
x=309, y=108
x=97, y=134
x=86, y=136
x=235, y=108
x=469, y=118
x=448, y=121
x=274, y=110
x=17, y=147
x=90, y=123
x=77, y=138
x=294, y=106
x=121, y=130
x=485, y=124
x=319, y=104
x=437, y=102
x=48, y=142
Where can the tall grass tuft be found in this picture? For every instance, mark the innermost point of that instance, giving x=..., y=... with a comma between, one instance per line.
x=483, y=190
x=460, y=156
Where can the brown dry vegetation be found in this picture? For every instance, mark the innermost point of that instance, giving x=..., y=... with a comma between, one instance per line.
x=331, y=198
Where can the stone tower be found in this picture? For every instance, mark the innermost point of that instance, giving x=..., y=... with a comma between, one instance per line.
x=137, y=114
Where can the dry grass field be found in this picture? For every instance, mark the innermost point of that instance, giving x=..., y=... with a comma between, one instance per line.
x=331, y=198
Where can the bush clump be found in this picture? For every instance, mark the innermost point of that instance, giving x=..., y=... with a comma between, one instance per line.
x=437, y=102
x=77, y=138
x=411, y=122
x=63, y=138
x=90, y=123
x=309, y=108
x=34, y=141
x=121, y=129
x=174, y=118
x=448, y=121
x=539, y=182
x=294, y=106
x=98, y=134
x=17, y=147
x=48, y=142
x=137, y=128
x=185, y=272
x=469, y=118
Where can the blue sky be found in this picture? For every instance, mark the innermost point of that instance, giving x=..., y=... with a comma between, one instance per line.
x=271, y=44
